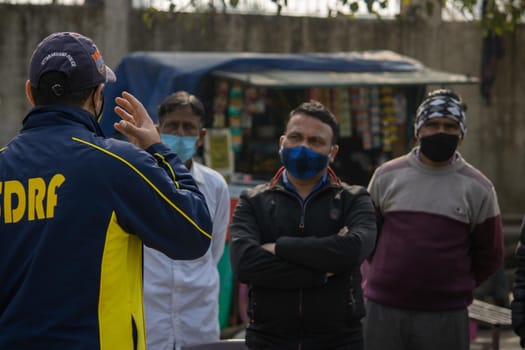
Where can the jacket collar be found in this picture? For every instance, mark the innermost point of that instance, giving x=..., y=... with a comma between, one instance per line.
x=59, y=114
x=331, y=179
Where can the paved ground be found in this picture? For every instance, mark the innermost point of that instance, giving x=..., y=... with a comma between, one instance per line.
x=508, y=340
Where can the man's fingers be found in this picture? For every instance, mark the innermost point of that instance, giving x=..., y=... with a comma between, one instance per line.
x=124, y=115
x=125, y=104
x=132, y=100
x=127, y=129
x=124, y=127
x=137, y=108
x=343, y=231
x=134, y=107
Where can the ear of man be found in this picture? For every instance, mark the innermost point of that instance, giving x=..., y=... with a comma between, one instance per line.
x=29, y=93
x=202, y=134
x=333, y=153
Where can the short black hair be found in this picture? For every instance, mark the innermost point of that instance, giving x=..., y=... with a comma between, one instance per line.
x=317, y=110
x=53, y=89
x=179, y=100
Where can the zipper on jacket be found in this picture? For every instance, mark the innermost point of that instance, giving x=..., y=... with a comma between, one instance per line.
x=300, y=344
x=301, y=202
x=352, y=301
x=301, y=229
x=303, y=206
x=303, y=213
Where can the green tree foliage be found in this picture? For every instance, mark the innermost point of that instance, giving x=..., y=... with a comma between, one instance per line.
x=497, y=16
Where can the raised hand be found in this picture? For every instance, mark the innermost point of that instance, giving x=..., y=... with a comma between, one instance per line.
x=136, y=124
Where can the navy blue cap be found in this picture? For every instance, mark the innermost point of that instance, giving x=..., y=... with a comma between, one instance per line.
x=74, y=55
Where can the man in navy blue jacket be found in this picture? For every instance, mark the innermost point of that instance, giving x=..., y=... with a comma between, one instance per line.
x=76, y=207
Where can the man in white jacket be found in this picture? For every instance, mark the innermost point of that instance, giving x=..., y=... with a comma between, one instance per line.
x=181, y=298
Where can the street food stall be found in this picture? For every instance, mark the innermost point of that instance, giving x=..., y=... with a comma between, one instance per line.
x=249, y=95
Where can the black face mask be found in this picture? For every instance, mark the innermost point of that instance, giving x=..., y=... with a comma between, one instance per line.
x=439, y=147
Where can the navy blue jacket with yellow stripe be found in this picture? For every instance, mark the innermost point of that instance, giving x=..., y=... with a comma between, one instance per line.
x=75, y=208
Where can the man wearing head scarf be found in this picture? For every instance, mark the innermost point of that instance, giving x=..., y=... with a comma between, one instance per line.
x=439, y=237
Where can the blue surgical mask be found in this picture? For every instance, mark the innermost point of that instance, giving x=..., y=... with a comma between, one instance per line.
x=184, y=146
x=302, y=162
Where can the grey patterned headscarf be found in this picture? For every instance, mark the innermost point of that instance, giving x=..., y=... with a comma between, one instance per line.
x=443, y=105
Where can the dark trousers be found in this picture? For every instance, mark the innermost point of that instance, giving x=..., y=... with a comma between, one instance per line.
x=387, y=328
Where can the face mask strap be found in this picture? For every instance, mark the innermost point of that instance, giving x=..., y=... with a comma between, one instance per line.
x=98, y=115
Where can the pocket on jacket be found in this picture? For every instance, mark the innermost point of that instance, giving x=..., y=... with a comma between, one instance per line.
x=334, y=307
x=274, y=308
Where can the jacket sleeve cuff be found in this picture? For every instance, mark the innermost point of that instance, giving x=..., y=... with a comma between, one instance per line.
x=158, y=147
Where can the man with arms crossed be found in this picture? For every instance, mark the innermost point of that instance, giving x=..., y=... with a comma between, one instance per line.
x=298, y=242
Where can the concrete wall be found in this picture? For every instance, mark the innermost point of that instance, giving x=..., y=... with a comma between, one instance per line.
x=495, y=142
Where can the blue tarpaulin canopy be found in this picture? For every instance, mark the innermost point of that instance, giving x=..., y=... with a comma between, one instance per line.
x=151, y=76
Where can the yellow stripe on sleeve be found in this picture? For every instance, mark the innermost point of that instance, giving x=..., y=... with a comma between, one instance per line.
x=155, y=188
x=169, y=167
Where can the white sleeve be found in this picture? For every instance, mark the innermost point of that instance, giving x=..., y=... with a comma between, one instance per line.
x=221, y=220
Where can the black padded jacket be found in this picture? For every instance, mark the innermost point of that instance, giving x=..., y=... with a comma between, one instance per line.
x=294, y=300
